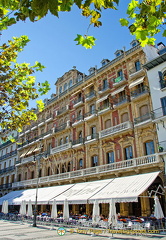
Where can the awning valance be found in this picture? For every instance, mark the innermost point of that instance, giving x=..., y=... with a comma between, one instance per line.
x=118, y=91
x=136, y=82
x=102, y=99
x=122, y=189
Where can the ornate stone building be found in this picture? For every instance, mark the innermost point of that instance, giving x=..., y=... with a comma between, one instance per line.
x=96, y=126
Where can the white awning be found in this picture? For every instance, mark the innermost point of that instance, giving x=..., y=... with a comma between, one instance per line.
x=118, y=91
x=125, y=189
x=44, y=195
x=102, y=99
x=136, y=82
x=122, y=189
x=81, y=192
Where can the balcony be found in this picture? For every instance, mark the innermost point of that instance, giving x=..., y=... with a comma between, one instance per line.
x=104, y=108
x=159, y=114
x=49, y=117
x=112, y=168
x=78, y=102
x=25, y=159
x=60, y=128
x=90, y=115
x=139, y=92
x=60, y=148
x=136, y=71
x=63, y=110
x=77, y=142
x=90, y=96
x=46, y=134
x=91, y=138
x=117, y=81
x=143, y=119
x=5, y=144
x=104, y=88
x=122, y=127
x=5, y=186
x=8, y=155
x=121, y=100
x=162, y=146
x=41, y=122
x=79, y=119
x=8, y=169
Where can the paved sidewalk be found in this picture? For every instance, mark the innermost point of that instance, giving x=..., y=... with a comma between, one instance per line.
x=25, y=231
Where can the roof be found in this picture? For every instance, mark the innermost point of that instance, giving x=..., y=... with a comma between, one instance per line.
x=155, y=62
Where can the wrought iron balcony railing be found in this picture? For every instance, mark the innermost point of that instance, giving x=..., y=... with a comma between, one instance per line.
x=139, y=91
x=8, y=154
x=90, y=95
x=135, y=69
x=78, y=141
x=78, y=118
x=121, y=100
x=93, y=112
x=159, y=113
x=104, y=87
x=91, y=137
x=6, y=186
x=60, y=128
x=143, y=118
x=8, y=169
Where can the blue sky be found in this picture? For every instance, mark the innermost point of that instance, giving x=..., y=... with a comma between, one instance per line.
x=52, y=42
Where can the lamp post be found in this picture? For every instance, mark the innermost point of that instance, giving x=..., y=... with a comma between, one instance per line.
x=37, y=158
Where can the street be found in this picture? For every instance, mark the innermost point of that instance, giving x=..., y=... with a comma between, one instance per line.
x=25, y=231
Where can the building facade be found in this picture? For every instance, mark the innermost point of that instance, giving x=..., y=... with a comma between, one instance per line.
x=96, y=126
x=8, y=161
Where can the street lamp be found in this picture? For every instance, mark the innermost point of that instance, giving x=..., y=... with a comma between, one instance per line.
x=37, y=158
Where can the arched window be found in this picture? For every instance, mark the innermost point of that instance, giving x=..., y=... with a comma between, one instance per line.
x=40, y=172
x=19, y=177
x=108, y=123
x=94, y=161
x=32, y=175
x=149, y=147
x=144, y=110
x=61, y=141
x=80, y=164
x=65, y=87
x=48, y=171
x=69, y=167
x=25, y=175
x=70, y=83
x=124, y=117
x=63, y=168
x=110, y=157
x=128, y=153
x=80, y=137
x=60, y=89
x=66, y=139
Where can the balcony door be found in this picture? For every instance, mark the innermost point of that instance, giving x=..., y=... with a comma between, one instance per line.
x=149, y=148
x=128, y=152
x=163, y=104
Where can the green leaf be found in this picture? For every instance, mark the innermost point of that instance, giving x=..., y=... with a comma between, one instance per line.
x=87, y=41
x=40, y=105
x=124, y=22
x=164, y=33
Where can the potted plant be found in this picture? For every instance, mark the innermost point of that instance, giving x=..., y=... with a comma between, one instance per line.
x=160, y=148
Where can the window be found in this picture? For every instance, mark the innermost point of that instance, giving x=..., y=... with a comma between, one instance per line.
x=105, y=83
x=32, y=175
x=124, y=117
x=25, y=175
x=94, y=161
x=70, y=83
x=163, y=104
x=80, y=163
x=108, y=123
x=92, y=109
x=65, y=87
x=66, y=139
x=137, y=65
x=93, y=131
x=79, y=79
x=120, y=74
x=80, y=137
x=61, y=141
x=149, y=148
x=162, y=77
x=144, y=110
x=48, y=171
x=128, y=152
x=60, y=89
x=19, y=177
x=69, y=166
x=40, y=172
x=110, y=157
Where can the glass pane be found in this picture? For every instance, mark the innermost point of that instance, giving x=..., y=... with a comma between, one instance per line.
x=149, y=148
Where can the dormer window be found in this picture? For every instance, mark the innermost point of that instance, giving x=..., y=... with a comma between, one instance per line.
x=104, y=62
x=134, y=43
x=118, y=53
x=91, y=70
x=79, y=78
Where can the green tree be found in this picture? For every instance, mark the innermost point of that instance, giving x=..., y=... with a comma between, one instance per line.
x=18, y=86
x=145, y=18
